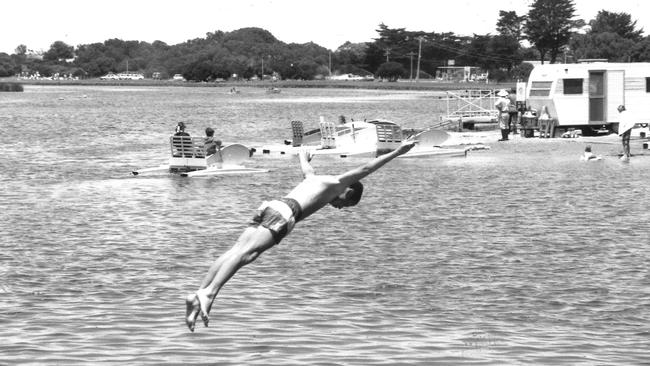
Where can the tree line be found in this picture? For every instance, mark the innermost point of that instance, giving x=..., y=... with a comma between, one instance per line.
x=549, y=32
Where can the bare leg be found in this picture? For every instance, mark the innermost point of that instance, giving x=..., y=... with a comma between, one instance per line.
x=252, y=243
x=626, y=145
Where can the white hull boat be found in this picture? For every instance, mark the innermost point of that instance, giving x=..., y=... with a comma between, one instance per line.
x=367, y=138
x=188, y=159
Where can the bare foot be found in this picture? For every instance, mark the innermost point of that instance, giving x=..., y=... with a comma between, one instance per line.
x=204, y=304
x=192, y=310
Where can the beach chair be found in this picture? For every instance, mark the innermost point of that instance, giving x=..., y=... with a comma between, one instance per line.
x=182, y=146
x=186, y=147
x=328, y=135
x=298, y=133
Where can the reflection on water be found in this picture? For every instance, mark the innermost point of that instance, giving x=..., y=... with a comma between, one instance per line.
x=519, y=254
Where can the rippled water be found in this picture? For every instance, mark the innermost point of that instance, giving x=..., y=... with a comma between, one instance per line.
x=516, y=255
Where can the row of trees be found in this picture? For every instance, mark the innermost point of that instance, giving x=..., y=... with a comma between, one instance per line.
x=548, y=32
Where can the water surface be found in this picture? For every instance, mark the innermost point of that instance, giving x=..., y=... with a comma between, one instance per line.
x=517, y=255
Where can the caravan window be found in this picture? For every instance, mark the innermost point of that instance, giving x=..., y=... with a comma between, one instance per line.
x=647, y=85
x=572, y=86
x=540, y=88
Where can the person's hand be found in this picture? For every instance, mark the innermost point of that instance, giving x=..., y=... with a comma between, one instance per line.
x=306, y=154
x=408, y=144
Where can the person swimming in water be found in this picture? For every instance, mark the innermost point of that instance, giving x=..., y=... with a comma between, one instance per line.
x=589, y=155
x=275, y=219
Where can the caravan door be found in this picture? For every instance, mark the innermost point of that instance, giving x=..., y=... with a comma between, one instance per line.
x=615, y=94
x=596, y=97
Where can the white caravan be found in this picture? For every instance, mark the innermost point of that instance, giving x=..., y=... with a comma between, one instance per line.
x=586, y=95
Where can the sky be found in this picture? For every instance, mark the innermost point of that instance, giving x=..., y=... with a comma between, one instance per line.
x=39, y=23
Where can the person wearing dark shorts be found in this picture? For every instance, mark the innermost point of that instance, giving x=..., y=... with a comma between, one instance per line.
x=279, y=216
x=276, y=219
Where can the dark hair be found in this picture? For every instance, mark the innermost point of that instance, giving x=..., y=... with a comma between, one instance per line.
x=588, y=148
x=209, y=132
x=357, y=190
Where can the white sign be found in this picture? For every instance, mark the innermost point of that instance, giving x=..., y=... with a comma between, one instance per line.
x=521, y=91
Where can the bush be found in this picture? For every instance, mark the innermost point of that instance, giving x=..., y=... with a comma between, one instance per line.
x=498, y=75
x=391, y=71
x=521, y=71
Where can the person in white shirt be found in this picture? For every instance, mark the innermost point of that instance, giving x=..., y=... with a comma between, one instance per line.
x=625, y=126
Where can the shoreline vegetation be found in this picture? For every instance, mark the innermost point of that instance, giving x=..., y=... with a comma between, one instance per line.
x=11, y=86
x=372, y=85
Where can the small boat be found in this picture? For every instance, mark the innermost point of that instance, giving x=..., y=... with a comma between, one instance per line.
x=366, y=138
x=225, y=169
x=188, y=158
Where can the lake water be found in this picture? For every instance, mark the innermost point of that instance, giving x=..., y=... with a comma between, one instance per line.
x=520, y=254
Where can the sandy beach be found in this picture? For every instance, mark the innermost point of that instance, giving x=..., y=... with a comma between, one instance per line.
x=609, y=143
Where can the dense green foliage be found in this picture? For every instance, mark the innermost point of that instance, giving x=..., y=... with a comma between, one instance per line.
x=549, y=26
x=611, y=36
x=391, y=71
x=254, y=53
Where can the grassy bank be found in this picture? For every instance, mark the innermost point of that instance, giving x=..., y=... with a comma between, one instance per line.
x=406, y=85
x=10, y=86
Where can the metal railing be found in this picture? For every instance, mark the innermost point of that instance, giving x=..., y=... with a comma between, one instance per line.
x=468, y=104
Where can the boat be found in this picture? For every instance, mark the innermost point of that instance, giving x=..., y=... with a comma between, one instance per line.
x=273, y=90
x=365, y=138
x=188, y=159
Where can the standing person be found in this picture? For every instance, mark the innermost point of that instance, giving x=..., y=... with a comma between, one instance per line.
x=275, y=219
x=625, y=130
x=502, y=106
x=513, y=112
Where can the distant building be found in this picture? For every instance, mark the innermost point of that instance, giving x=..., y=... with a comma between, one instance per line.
x=461, y=74
x=34, y=55
x=122, y=76
x=350, y=77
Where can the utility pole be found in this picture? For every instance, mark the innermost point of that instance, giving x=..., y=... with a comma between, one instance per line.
x=330, y=63
x=411, y=54
x=417, y=77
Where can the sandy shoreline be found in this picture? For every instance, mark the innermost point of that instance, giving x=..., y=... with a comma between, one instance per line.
x=491, y=138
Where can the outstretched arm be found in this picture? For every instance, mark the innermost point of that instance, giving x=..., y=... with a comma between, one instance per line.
x=357, y=174
x=305, y=158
